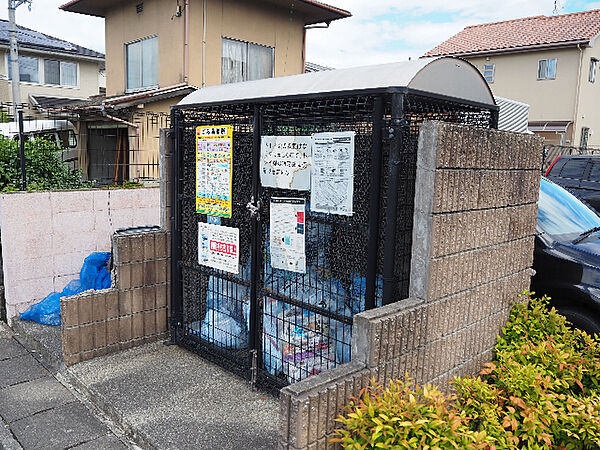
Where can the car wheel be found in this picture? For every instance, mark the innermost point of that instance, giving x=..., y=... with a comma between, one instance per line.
x=586, y=321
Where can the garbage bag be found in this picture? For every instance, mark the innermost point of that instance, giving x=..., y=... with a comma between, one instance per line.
x=227, y=319
x=93, y=275
x=223, y=330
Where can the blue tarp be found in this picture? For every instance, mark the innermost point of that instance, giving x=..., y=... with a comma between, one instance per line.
x=93, y=275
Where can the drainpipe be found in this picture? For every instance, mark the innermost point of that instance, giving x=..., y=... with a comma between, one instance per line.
x=14, y=58
x=137, y=140
x=304, y=50
x=577, y=93
x=186, y=43
x=204, y=45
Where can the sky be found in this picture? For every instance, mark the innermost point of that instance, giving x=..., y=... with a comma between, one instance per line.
x=379, y=30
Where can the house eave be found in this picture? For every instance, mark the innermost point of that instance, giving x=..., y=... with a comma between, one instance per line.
x=312, y=10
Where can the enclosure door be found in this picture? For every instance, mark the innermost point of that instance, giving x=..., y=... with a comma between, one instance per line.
x=216, y=296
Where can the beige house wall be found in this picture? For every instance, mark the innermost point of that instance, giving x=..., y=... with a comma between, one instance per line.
x=88, y=80
x=124, y=25
x=255, y=22
x=569, y=97
x=588, y=110
x=516, y=78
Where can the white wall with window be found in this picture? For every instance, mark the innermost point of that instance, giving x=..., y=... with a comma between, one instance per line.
x=245, y=61
x=45, y=71
x=141, y=61
x=546, y=69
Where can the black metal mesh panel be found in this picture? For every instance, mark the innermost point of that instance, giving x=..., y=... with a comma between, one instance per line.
x=306, y=318
x=216, y=304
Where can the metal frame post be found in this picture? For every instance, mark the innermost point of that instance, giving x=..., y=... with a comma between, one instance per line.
x=495, y=118
x=397, y=128
x=176, y=287
x=22, y=151
x=374, y=200
x=255, y=247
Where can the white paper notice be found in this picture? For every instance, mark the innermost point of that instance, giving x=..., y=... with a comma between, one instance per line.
x=287, y=234
x=285, y=162
x=332, y=173
x=219, y=247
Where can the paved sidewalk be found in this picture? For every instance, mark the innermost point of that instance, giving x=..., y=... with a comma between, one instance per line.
x=38, y=412
x=171, y=398
x=165, y=397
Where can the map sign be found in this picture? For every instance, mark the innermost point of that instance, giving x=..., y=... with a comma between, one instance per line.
x=332, y=178
x=287, y=228
x=285, y=162
x=218, y=247
x=214, y=157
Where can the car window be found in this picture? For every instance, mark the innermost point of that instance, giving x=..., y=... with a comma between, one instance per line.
x=595, y=172
x=560, y=212
x=573, y=168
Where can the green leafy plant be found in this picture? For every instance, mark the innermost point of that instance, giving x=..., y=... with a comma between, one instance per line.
x=405, y=415
x=125, y=185
x=541, y=391
x=44, y=168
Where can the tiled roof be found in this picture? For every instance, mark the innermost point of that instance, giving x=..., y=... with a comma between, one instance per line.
x=45, y=102
x=32, y=39
x=538, y=31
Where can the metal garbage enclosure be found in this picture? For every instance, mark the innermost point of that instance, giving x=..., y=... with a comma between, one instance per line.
x=314, y=223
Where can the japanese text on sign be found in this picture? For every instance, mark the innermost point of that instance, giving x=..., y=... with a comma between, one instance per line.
x=218, y=247
x=332, y=180
x=285, y=162
x=287, y=229
x=214, y=157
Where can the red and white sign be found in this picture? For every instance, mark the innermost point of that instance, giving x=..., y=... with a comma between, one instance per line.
x=218, y=247
x=223, y=247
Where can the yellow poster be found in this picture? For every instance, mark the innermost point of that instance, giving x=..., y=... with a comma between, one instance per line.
x=214, y=170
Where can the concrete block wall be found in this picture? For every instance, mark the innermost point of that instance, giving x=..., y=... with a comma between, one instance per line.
x=133, y=312
x=47, y=235
x=472, y=249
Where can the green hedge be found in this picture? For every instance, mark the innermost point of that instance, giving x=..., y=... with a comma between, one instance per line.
x=541, y=391
x=43, y=165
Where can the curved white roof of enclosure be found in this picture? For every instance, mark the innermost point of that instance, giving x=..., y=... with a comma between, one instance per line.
x=447, y=76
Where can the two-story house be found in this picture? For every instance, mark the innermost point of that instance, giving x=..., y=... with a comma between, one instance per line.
x=550, y=63
x=51, y=71
x=157, y=51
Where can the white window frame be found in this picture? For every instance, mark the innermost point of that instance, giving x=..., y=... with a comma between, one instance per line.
x=42, y=73
x=248, y=43
x=40, y=69
x=546, y=74
x=60, y=63
x=593, y=70
x=486, y=69
x=141, y=88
